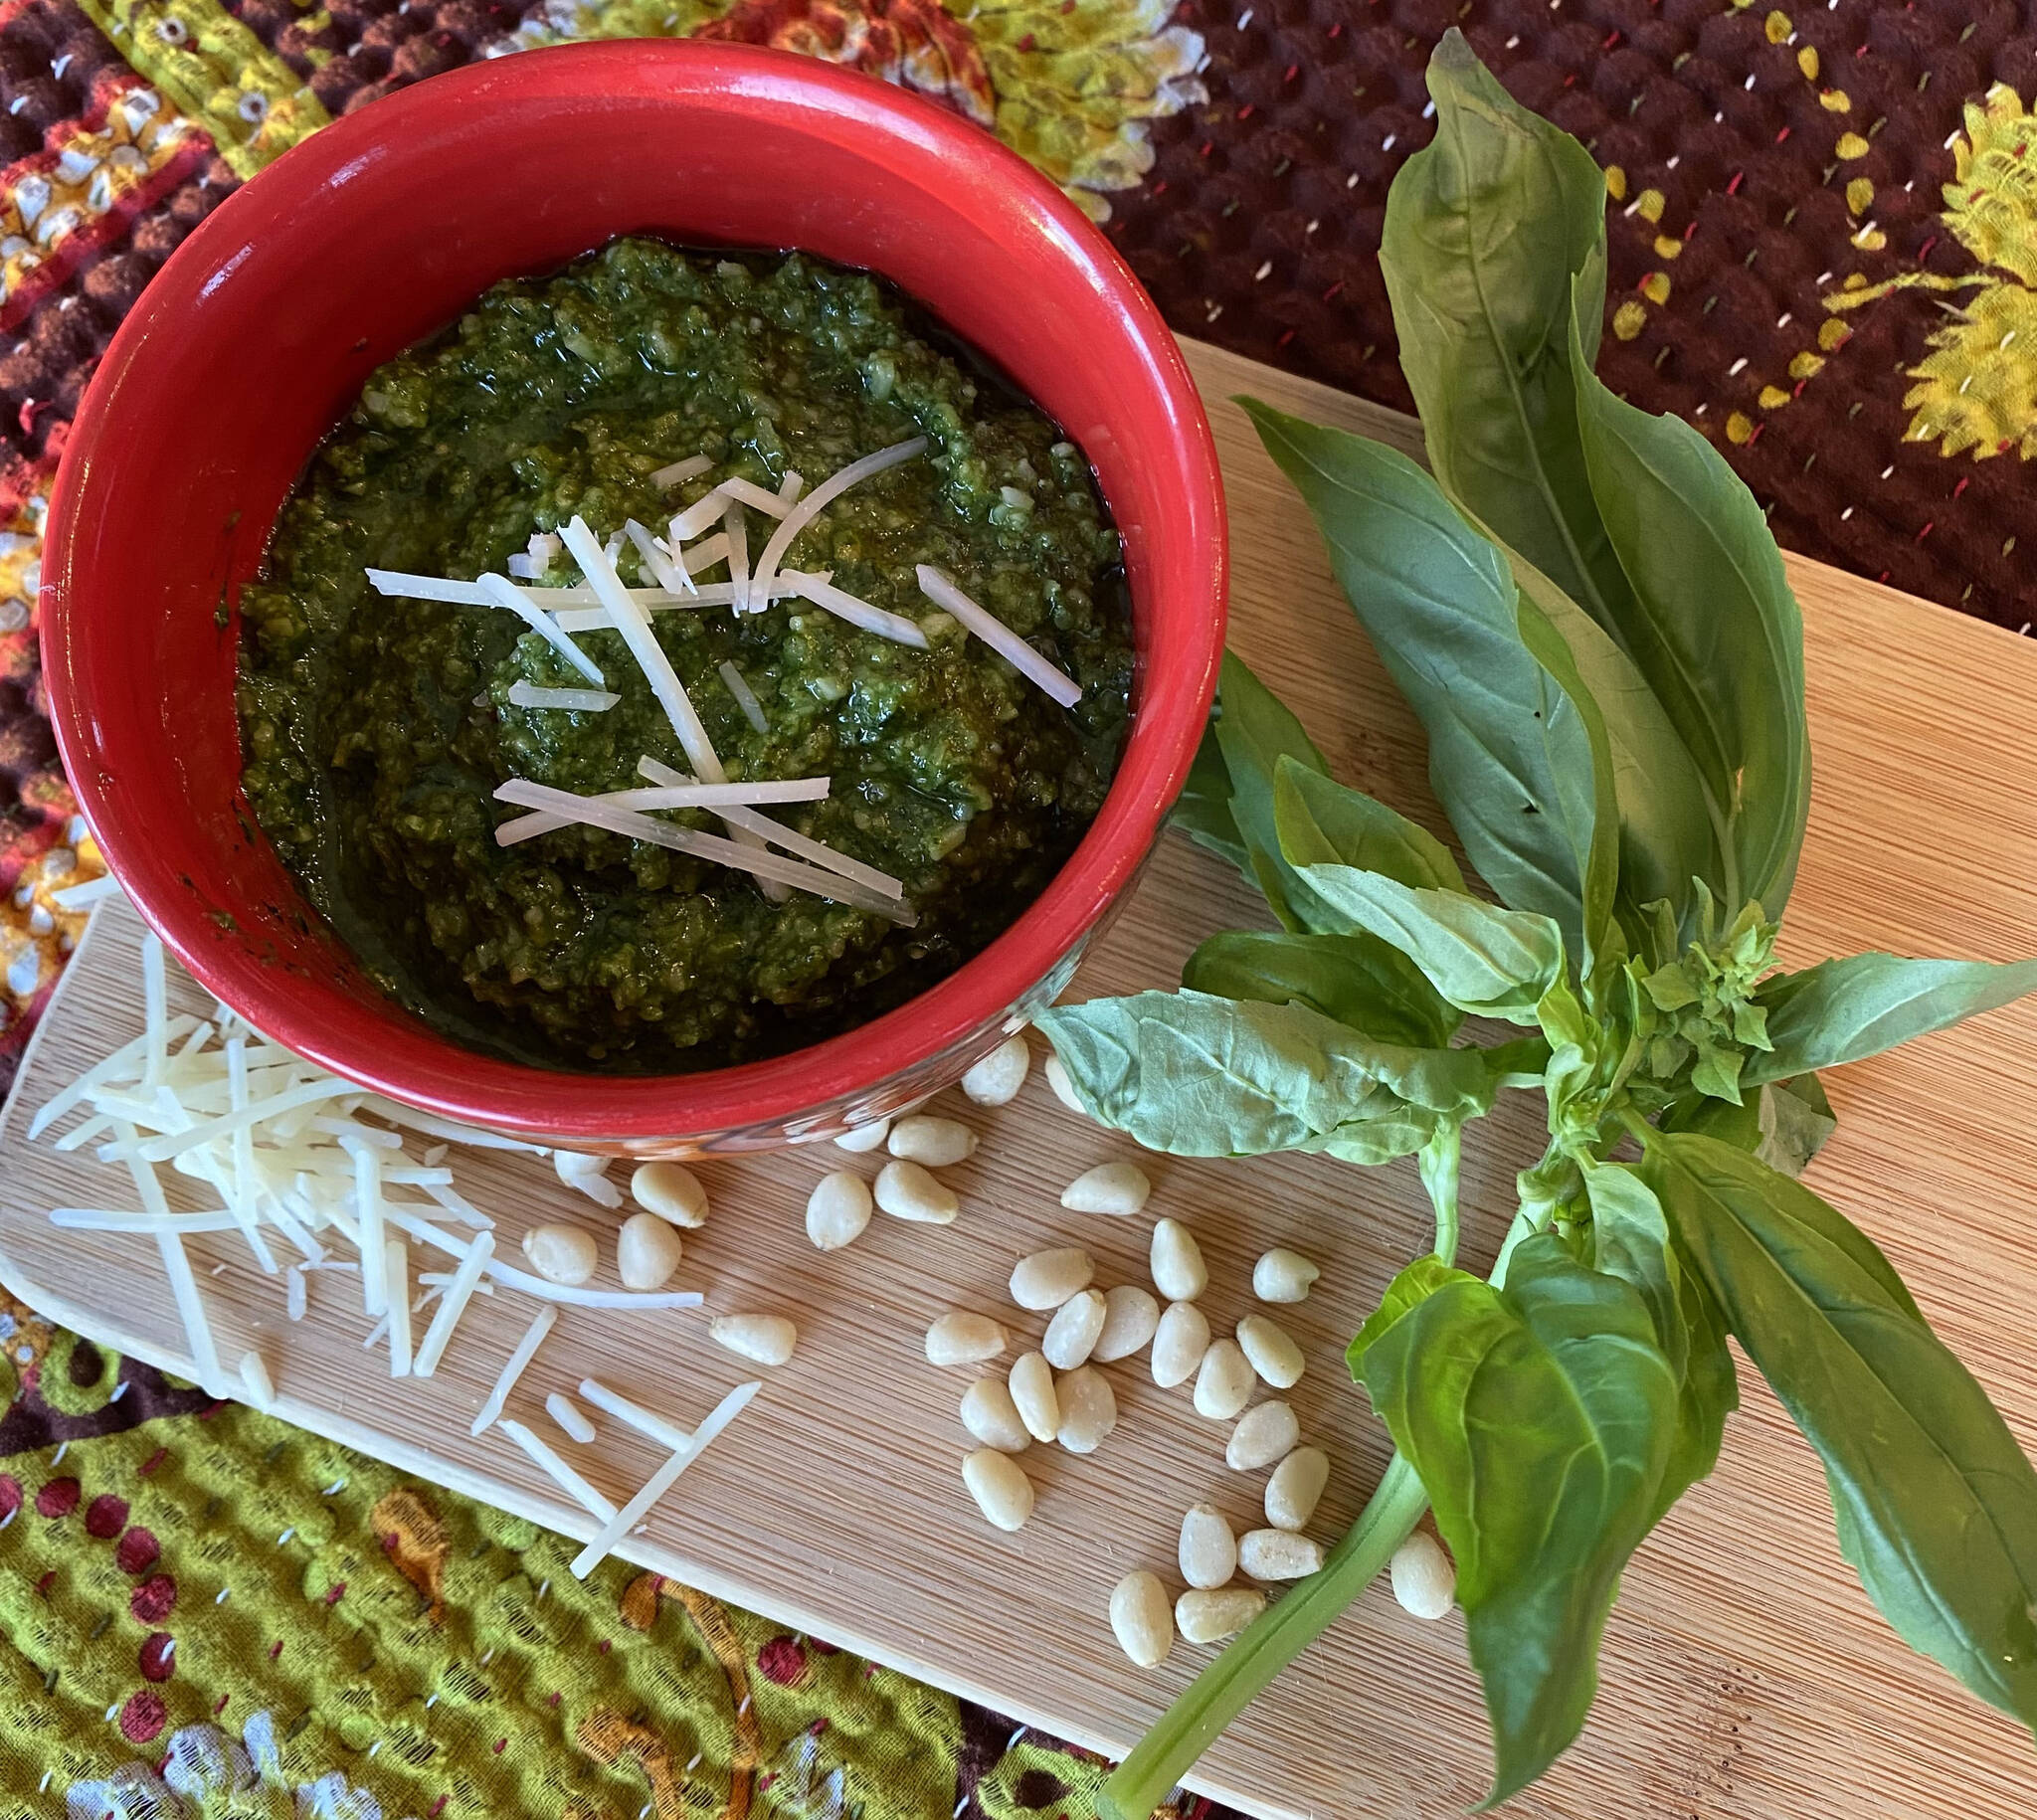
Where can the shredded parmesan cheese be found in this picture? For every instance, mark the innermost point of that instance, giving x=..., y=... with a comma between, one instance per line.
x=501, y=594
x=688, y=524
x=1057, y=683
x=575, y=618
x=748, y=492
x=815, y=503
x=254, y=1379
x=679, y=472
x=789, y=488
x=735, y=527
x=674, y=579
x=746, y=699
x=645, y=1421
x=396, y=1292
x=568, y=1415
x=505, y=1382
x=560, y=1474
x=855, y=610
x=571, y=701
x=688, y=795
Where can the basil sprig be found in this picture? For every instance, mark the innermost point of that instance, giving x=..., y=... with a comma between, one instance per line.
x=1583, y=606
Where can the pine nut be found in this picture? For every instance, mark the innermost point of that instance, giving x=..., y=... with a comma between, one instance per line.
x=561, y=1254
x=1089, y=1411
x=1210, y=1617
x=1056, y=1072
x=587, y=1175
x=996, y=1079
x=1047, y=1279
x=989, y=1413
x=647, y=1251
x=1223, y=1385
x=1002, y=1491
x=768, y=1339
x=1179, y=1344
x=960, y=1338
x=838, y=1211
x=862, y=1138
x=1118, y=1188
x=1142, y=1618
x=1424, y=1578
x=1208, y=1550
x=1071, y=1333
x=1179, y=1272
x=1035, y=1398
x=1272, y=1350
x=1278, y=1555
x=671, y=1191
x=1130, y=1316
x=1283, y=1276
x=1263, y=1437
x=1296, y=1487
x=936, y=1143
x=905, y=1190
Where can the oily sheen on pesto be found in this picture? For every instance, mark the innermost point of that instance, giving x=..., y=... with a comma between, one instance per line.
x=376, y=730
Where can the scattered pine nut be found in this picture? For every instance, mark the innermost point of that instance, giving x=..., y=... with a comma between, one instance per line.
x=905, y=1190
x=961, y=1338
x=838, y=1211
x=671, y=1191
x=1179, y=1272
x=1179, y=1343
x=1071, y=1333
x=861, y=1138
x=647, y=1251
x=1002, y=1490
x=1264, y=1436
x=1142, y=1618
x=1278, y=1555
x=1296, y=1487
x=561, y=1254
x=768, y=1339
x=1283, y=1276
x=1425, y=1577
x=1224, y=1383
x=936, y=1143
x=1130, y=1316
x=1208, y=1550
x=1274, y=1353
x=1035, y=1397
x=1047, y=1279
x=994, y=1080
x=1210, y=1617
x=1056, y=1072
x=990, y=1414
x=1118, y=1188
x=1089, y=1411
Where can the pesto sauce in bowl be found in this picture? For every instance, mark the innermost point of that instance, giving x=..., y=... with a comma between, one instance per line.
x=375, y=730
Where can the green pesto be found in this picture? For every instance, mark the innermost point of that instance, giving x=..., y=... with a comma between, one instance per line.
x=375, y=731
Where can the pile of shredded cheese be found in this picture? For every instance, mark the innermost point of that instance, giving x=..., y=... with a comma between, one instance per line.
x=712, y=531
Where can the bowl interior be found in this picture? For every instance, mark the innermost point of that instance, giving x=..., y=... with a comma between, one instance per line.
x=377, y=231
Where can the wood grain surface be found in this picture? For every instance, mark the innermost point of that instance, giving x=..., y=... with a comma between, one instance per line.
x=1745, y=1674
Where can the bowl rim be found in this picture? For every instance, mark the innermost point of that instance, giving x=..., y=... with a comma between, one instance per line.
x=973, y=1003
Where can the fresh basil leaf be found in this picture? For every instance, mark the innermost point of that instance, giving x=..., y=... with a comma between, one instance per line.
x=1320, y=821
x=1490, y=961
x=1783, y=1124
x=1710, y=625
x=1202, y=812
x=1254, y=731
x=1845, y=1009
x=1485, y=230
x=1358, y=979
x=1540, y=1417
x=1202, y=1076
x=1936, y=1505
x=1509, y=758
x=1632, y=1241
x=1416, y=1284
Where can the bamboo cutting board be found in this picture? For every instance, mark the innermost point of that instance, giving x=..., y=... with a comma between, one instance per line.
x=1745, y=1674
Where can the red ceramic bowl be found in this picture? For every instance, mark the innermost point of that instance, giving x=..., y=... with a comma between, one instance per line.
x=264, y=325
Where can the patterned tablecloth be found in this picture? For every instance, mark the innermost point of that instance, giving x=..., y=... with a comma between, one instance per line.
x=1823, y=253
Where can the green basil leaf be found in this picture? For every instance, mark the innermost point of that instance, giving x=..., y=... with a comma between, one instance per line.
x=1358, y=979
x=1416, y=1284
x=1202, y=1076
x=1710, y=625
x=1254, y=731
x=1485, y=229
x=1490, y=961
x=1632, y=1241
x=1783, y=1124
x=1320, y=821
x=1202, y=812
x=1842, y=1010
x=1936, y=1505
x=1509, y=758
x=1540, y=1417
